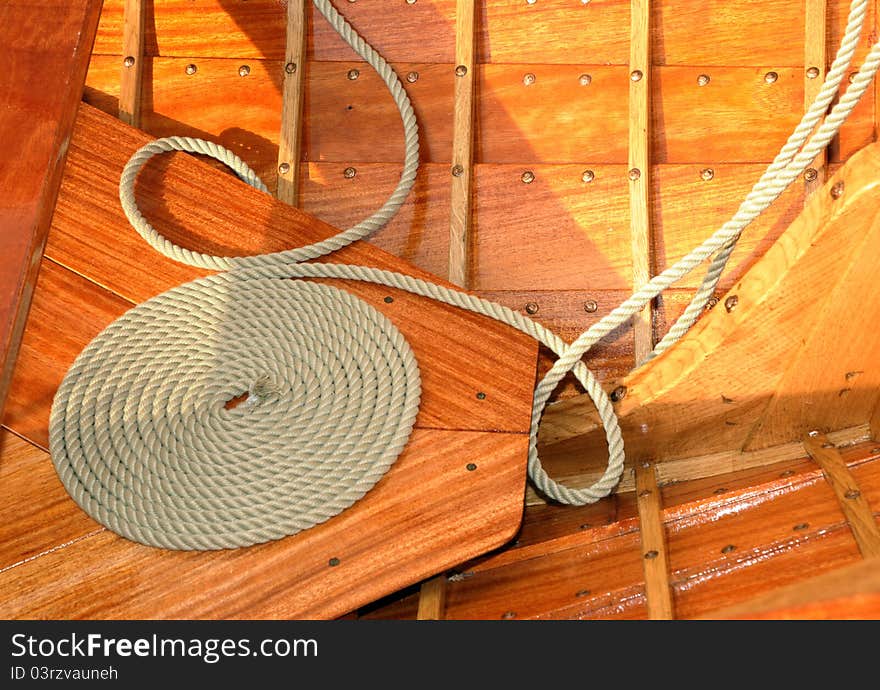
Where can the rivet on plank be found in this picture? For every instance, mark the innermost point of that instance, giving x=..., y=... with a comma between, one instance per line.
x=462, y=143
x=837, y=190
x=730, y=303
x=588, y=176
x=771, y=77
x=349, y=173
x=852, y=501
x=244, y=70
x=532, y=308
x=653, y=542
x=585, y=80
x=292, y=98
x=591, y=306
x=528, y=177
x=529, y=79
x=412, y=77
x=132, y=66
x=814, y=56
x=703, y=80
x=707, y=174
x=353, y=74
x=191, y=68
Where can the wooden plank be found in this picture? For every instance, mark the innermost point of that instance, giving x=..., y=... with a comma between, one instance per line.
x=131, y=76
x=511, y=30
x=689, y=402
x=289, y=147
x=852, y=592
x=685, y=469
x=200, y=207
x=815, y=61
x=426, y=514
x=640, y=81
x=462, y=145
x=46, y=45
x=432, y=599
x=555, y=120
x=854, y=505
x=37, y=515
x=653, y=542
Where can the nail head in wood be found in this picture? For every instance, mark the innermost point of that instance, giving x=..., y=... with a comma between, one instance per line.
x=730, y=303
x=290, y=67
x=591, y=306
x=460, y=71
x=128, y=61
x=636, y=75
x=481, y=395
x=585, y=80
x=837, y=190
x=618, y=394
x=244, y=70
x=349, y=173
x=353, y=74
x=852, y=494
x=528, y=177
x=333, y=562
x=471, y=466
x=707, y=174
x=634, y=174
x=652, y=554
x=811, y=174
x=771, y=77
x=532, y=308
x=529, y=79
x=812, y=72
x=588, y=176
x=703, y=79
x=191, y=69
x=412, y=77
x=457, y=171
x=284, y=168
x=730, y=548
x=508, y=615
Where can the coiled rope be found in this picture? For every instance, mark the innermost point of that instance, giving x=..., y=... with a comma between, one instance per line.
x=139, y=431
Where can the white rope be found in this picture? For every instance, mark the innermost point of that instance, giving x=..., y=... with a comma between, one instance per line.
x=95, y=466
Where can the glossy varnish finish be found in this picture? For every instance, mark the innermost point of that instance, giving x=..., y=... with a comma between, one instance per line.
x=731, y=538
x=45, y=52
x=465, y=461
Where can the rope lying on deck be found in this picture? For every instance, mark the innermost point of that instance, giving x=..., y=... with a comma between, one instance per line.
x=139, y=432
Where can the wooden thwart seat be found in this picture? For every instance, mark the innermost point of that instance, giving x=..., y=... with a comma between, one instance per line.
x=455, y=492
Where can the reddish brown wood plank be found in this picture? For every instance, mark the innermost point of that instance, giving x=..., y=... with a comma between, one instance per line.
x=45, y=49
x=202, y=208
x=712, y=32
x=36, y=514
x=428, y=512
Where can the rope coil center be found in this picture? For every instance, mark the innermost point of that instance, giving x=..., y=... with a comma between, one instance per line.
x=144, y=440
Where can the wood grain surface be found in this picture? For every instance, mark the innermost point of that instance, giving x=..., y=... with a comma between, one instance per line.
x=46, y=45
x=455, y=492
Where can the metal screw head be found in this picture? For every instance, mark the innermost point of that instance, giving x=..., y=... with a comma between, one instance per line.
x=811, y=174
x=652, y=554
x=191, y=69
x=457, y=171
x=837, y=190
x=481, y=395
x=243, y=71
x=812, y=72
x=529, y=79
x=585, y=80
x=348, y=173
x=730, y=303
x=388, y=299
x=801, y=526
x=703, y=79
x=582, y=593
x=284, y=168
x=636, y=75
x=787, y=473
x=528, y=177
x=290, y=67
x=588, y=176
x=410, y=2
x=720, y=490
x=852, y=494
x=532, y=308
x=460, y=71
x=591, y=306
x=412, y=77
x=852, y=77
x=711, y=302
x=333, y=562
x=771, y=77
x=730, y=548
x=618, y=394
x=128, y=61
x=507, y=615
x=471, y=466
x=634, y=174
x=353, y=74
x=707, y=174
